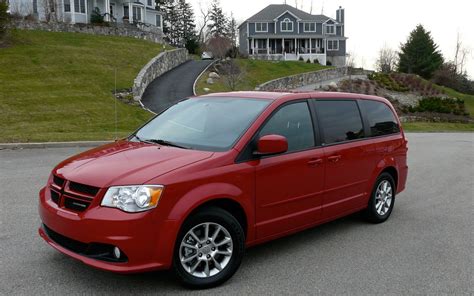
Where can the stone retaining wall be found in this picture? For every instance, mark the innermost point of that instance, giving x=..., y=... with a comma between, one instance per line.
x=300, y=80
x=160, y=64
x=123, y=30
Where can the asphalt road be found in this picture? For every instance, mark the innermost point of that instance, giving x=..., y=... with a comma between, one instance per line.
x=426, y=247
x=173, y=86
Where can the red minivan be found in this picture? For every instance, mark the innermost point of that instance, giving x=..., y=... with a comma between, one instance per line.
x=212, y=175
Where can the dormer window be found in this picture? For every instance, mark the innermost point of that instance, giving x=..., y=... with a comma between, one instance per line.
x=286, y=25
x=331, y=29
x=261, y=27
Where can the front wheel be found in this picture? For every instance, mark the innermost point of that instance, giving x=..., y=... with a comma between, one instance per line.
x=209, y=248
x=382, y=199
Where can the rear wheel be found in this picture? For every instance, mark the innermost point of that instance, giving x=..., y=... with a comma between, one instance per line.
x=382, y=199
x=209, y=248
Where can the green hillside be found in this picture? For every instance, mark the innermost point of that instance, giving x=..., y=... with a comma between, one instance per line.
x=59, y=86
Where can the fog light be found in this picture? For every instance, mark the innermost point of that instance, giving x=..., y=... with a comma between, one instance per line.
x=117, y=252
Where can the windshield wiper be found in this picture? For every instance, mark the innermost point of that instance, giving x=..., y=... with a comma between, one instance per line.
x=161, y=142
x=167, y=143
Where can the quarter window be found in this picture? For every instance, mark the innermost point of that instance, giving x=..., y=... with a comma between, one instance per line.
x=261, y=27
x=158, y=20
x=137, y=14
x=380, y=117
x=340, y=121
x=67, y=5
x=294, y=123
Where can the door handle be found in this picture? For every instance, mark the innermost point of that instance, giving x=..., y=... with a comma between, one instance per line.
x=334, y=158
x=315, y=161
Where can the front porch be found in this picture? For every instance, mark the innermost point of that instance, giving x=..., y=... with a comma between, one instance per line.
x=288, y=49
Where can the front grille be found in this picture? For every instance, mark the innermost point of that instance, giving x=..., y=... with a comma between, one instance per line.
x=58, y=181
x=84, y=189
x=75, y=204
x=55, y=196
x=97, y=251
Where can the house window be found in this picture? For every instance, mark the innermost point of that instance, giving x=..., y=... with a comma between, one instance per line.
x=35, y=6
x=158, y=20
x=310, y=27
x=333, y=45
x=137, y=14
x=67, y=5
x=149, y=2
x=80, y=6
x=261, y=27
x=330, y=29
x=286, y=25
x=126, y=12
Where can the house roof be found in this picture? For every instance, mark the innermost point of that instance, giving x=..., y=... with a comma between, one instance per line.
x=273, y=11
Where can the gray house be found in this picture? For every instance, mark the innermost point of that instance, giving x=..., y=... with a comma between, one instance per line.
x=282, y=32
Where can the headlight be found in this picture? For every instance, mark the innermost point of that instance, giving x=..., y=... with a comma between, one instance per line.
x=133, y=198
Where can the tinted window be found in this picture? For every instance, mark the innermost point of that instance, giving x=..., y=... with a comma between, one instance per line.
x=340, y=120
x=381, y=119
x=293, y=122
x=212, y=124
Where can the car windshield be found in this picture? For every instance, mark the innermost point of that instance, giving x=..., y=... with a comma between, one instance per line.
x=212, y=124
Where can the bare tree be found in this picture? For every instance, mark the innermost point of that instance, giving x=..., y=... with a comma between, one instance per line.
x=219, y=46
x=461, y=55
x=387, y=60
x=232, y=73
x=205, y=13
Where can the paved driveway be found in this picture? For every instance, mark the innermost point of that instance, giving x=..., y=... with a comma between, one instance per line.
x=173, y=86
x=425, y=248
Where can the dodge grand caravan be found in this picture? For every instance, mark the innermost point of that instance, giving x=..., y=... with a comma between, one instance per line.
x=212, y=175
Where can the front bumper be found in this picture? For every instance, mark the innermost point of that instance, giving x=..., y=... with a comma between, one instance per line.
x=146, y=241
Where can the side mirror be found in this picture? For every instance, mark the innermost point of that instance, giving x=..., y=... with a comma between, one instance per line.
x=271, y=144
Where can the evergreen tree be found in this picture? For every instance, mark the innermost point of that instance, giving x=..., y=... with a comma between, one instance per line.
x=187, y=30
x=4, y=18
x=420, y=55
x=232, y=30
x=218, y=21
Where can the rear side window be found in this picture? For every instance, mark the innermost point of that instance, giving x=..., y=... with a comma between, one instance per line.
x=340, y=120
x=294, y=123
x=380, y=117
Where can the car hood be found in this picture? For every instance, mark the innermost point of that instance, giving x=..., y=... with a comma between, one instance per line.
x=126, y=163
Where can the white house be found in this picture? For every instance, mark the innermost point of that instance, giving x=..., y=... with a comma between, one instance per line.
x=79, y=11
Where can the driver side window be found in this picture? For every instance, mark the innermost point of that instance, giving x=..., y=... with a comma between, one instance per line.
x=294, y=123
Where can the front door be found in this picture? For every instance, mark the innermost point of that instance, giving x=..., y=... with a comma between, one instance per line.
x=349, y=158
x=288, y=46
x=289, y=186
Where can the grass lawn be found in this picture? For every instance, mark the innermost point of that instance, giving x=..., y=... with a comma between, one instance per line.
x=59, y=86
x=258, y=72
x=437, y=127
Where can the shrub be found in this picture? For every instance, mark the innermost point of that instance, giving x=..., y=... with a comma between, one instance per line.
x=328, y=63
x=448, y=76
x=96, y=16
x=301, y=59
x=387, y=82
x=308, y=61
x=316, y=61
x=440, y=105
x=192, y=45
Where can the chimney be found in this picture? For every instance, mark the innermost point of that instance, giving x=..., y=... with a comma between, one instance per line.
x=340, y=15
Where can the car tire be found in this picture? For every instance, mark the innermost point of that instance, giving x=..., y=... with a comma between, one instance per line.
x=204, y=250
x=382, y=199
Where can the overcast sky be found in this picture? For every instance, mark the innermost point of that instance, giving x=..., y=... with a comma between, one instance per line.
x=370, y=23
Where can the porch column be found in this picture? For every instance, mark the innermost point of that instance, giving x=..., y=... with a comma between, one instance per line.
x=282, y=45
x=130, y=12
x=107, y=10
x=63, y=12
x=268, y=46
x=296, y=50
x=253, y=46
x=86, y=10
x=310, y=50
